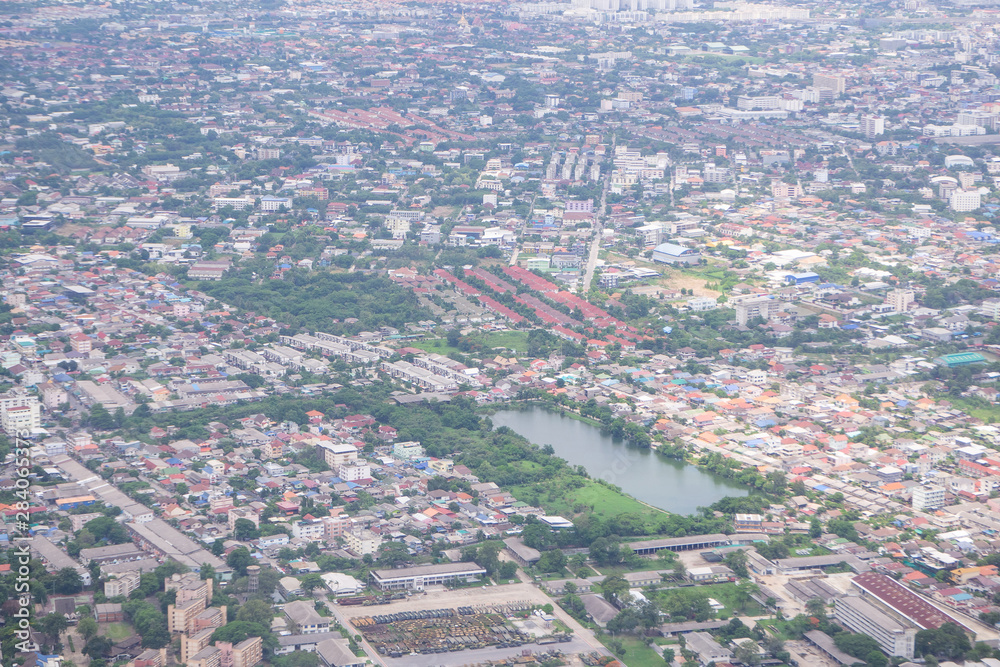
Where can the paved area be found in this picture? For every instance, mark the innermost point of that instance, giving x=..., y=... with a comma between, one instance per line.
x=807, y=655
x=462, y=658
x=584, y=640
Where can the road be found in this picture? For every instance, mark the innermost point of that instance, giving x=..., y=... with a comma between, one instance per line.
x=595, y=245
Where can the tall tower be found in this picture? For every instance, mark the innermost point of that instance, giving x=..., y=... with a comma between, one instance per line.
x=253, y=572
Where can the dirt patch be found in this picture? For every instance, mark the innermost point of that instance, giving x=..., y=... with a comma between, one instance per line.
x=443, y=211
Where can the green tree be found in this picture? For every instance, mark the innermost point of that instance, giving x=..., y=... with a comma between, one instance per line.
x=552, y=561
x=948, y=642
x=86, y=627
x=614, y=587
x=240, y=559
x=256, y=611
x=97, y=647
x=52, y=625
x=737, y=562
x=245, y=529
x=858, y=645
x=67, y=582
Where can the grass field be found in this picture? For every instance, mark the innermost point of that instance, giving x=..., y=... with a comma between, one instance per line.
x=555, y=497
x=116, y=632
x=637, y=653
x=512, y=340
x=991, y=412
x=515, y=342
x=436, y=345
x=726, y=594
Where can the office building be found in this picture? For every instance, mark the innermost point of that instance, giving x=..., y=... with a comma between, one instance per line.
x=416, y=578
x=963, y=201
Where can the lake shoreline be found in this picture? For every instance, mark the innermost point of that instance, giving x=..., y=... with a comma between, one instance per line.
x=672, y=485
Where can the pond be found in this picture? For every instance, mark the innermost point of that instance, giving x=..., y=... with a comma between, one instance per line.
x=669, y=484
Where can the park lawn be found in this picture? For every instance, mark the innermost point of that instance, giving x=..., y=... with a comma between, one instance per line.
x=116, y=632
x=516, y=341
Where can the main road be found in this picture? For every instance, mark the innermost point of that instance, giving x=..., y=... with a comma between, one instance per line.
x=595, y=244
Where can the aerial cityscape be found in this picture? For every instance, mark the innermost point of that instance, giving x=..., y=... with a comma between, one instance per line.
x=345, y=333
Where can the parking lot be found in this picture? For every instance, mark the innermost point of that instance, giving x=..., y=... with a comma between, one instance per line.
x=511, y=596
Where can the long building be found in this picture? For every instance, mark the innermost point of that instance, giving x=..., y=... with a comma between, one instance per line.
x=893, y=637
x=148, y=532
x=160, y=537
x=904, y=604
x=649, y=547
x=416, y=578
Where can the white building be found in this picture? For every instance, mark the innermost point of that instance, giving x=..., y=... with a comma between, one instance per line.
x=900, y=300
x=354, y=471
x=22, y=419
x=407, y=450
x=964, y=201
x=272, y=204
x=338, y=453
x=702, y=303
x=893, y=637
x=872, y=126
x=363, y=542
x=928, y=497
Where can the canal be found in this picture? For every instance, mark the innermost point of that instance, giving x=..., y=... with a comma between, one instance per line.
x=669, y=484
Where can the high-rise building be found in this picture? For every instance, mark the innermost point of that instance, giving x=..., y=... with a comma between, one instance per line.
x=872, y=126
x=837, y=84
x=756, y=307
x=964, y=201
x=900, y=300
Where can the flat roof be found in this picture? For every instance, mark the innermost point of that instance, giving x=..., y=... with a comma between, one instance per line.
x=872, y=613
x=428, y=570
x=822, y=561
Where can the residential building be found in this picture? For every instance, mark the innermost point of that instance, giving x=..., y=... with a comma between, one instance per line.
x=304, y=618
x=764, y=307
x=122, y=586
x=928, y=497
x=900, y=300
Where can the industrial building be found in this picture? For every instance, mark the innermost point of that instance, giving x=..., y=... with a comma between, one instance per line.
x=669, y=253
